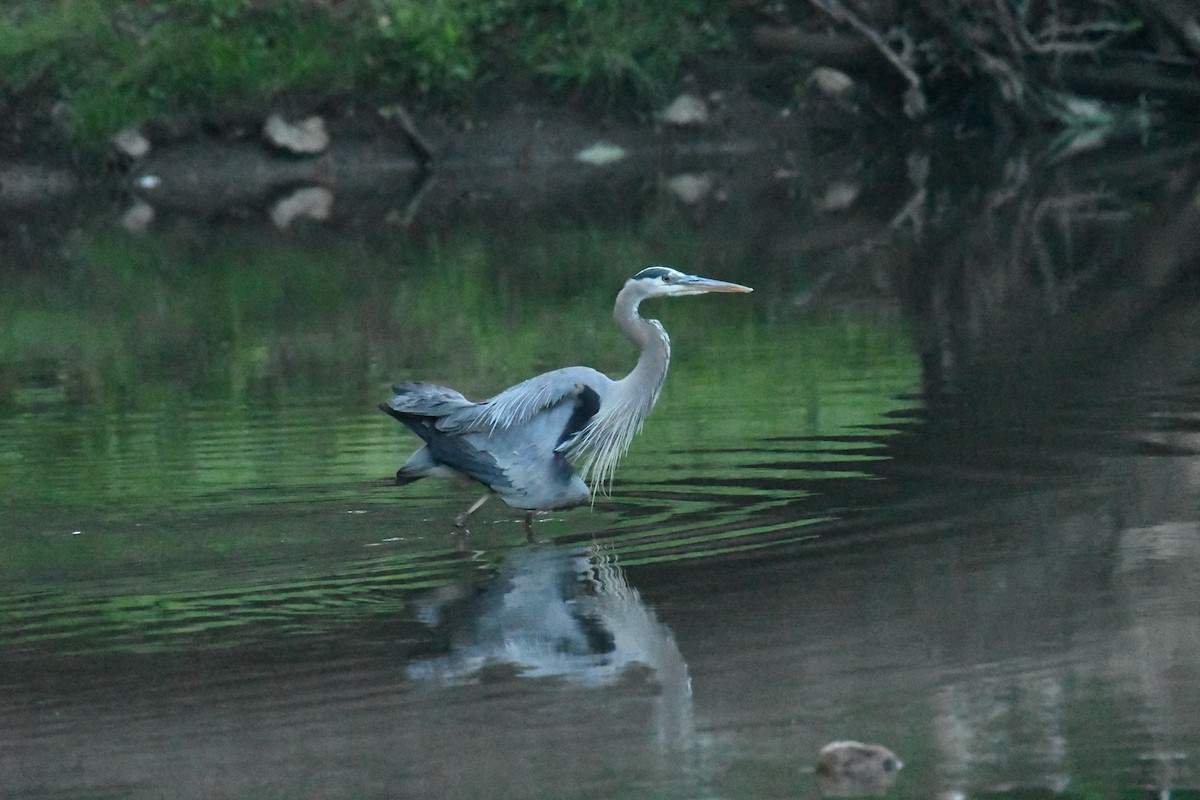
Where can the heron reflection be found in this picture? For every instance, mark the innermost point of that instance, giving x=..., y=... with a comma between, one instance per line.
x=556, y=612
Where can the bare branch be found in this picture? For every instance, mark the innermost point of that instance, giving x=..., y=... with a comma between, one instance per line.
x=915, y=104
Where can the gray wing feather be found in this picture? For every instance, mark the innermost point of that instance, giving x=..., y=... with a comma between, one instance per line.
x=519, y=404
x=461, y=454
x=426, y=400
x=420, y=406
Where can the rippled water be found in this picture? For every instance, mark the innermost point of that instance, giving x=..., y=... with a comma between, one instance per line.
x=836, y=525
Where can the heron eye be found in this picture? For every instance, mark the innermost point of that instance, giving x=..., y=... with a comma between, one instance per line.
x=667, y=277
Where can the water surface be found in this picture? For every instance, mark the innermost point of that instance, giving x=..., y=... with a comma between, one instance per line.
x=896, y=495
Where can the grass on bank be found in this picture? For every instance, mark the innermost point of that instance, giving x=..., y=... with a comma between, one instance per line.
x=101, y=65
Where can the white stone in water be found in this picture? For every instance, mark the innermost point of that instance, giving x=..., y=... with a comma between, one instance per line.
x=838, y=196
x=130, y=141
x=309, y=202
x=686, y=110
x=307, y=137
x=831, y=82
x=600, y=154
x=689, y=187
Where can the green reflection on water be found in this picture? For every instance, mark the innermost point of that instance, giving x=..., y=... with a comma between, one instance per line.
x=197, y=413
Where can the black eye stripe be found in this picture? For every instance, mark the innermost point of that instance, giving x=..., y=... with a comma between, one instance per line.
x=655, y=272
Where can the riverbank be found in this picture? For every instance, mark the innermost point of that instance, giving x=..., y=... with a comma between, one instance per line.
x=75, y=74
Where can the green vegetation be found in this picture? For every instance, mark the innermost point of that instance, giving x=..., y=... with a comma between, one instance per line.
x=103, y=65
x=1098, y=70
x=184, y=403
x=248, y=313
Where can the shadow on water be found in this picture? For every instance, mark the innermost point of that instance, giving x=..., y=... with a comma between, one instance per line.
x=936, y=489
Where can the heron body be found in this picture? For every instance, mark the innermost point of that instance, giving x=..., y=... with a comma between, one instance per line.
x=524, y=443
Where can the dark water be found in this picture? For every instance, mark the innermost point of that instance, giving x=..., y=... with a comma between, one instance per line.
x=934, y=485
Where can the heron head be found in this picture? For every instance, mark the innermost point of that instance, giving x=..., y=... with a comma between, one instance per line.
x=667, y=282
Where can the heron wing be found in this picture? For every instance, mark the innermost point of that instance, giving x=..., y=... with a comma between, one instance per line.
x=421, y=399
x=515, y=442
x=517, y=405
x=474, y=461
x=421, y=406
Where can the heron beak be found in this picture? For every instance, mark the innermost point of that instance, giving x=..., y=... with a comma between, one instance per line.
x=699, y=284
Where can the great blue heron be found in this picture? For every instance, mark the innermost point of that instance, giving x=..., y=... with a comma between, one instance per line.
x=522, y=442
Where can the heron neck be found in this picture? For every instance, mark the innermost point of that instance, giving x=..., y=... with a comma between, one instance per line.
x=651, y=339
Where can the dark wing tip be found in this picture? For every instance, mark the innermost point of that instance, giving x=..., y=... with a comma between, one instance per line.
x=587, y=403
x=396, y=415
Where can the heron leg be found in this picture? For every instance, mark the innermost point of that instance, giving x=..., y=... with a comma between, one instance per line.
x=461, y=520
x=529, y=526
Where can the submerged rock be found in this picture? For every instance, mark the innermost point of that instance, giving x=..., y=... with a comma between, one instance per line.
x=305, y=138
x=854, y=769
